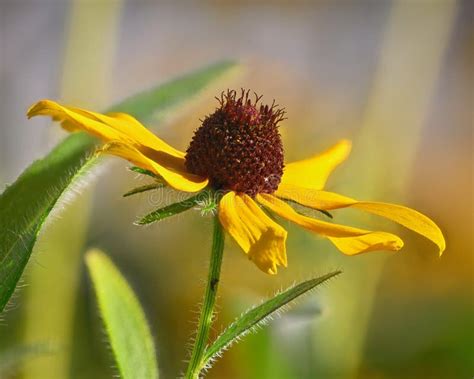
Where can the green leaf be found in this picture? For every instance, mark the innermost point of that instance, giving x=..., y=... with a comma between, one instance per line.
x=124, y=320
x=144, y=188
x=143, y=171
x=26, y=204
x=258, y=316
x=170, y=210
x=144, y=106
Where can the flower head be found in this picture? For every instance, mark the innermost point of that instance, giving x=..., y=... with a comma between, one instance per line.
x=238, y=149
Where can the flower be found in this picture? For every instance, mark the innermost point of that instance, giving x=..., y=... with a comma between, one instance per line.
x=238, y=150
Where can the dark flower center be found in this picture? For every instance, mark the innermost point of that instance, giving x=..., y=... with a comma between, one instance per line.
x=238, y=147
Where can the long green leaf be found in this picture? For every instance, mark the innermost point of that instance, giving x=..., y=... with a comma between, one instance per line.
x=25, y=205
x=146, y=105
x=257, y=316
x=124, y=320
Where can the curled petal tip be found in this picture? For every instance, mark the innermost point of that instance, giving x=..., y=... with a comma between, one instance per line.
x=344, y=146
x=346, y=142
x=398, y=244
x=32, y=110
x=442, y=244
x=442, y=247
x=38, y=107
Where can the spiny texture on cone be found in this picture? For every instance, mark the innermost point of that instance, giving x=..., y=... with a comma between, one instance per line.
x=238, y=147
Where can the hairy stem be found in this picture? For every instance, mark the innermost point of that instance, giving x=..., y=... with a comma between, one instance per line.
x=206, y=318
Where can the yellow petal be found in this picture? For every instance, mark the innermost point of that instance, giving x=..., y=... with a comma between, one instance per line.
x=182, y=181
x=314, y=172
x=374, y=241
x=262, y=239
x=407, y=217
x=75, y=120
x=347, y=239
x=313, y=198
x=113, y=127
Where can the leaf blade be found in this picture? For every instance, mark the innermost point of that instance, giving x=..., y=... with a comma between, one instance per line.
x=169, y=210
x=170, y=94
x=143, y=171
x=123, y=318
x=144, y=188
x=26, y=204
x=257, y=315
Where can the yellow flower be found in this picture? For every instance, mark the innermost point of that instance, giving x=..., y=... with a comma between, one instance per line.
x=238, y=150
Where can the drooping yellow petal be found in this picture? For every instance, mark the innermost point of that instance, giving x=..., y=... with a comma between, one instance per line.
x=182, y=181
x=407, y=217
x=314, y=172
x=374, y=241
x=262, y=239
x=113, y=127
x=347, y=239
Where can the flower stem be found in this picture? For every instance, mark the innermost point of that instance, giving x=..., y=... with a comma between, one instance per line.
x=206, y=318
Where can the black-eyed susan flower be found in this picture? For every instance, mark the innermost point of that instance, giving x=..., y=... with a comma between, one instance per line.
x=238, y=150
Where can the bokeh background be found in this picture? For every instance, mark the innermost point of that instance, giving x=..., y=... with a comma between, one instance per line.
x=396, y=77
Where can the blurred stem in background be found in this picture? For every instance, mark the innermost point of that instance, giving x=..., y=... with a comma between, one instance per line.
x=412, y=53
x=54, y=275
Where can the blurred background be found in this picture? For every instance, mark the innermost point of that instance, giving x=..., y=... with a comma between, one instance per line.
x=396, y=77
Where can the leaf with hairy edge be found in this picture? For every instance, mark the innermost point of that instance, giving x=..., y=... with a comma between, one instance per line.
x=258, y=316
x=26, y=204
x=143, y=171
x=144, y=188
x=124, y=320
x=171, y=210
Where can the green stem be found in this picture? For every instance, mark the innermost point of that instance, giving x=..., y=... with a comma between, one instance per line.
x=205, y=320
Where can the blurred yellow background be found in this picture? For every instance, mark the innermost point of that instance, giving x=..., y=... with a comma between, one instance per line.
x=396, y=77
